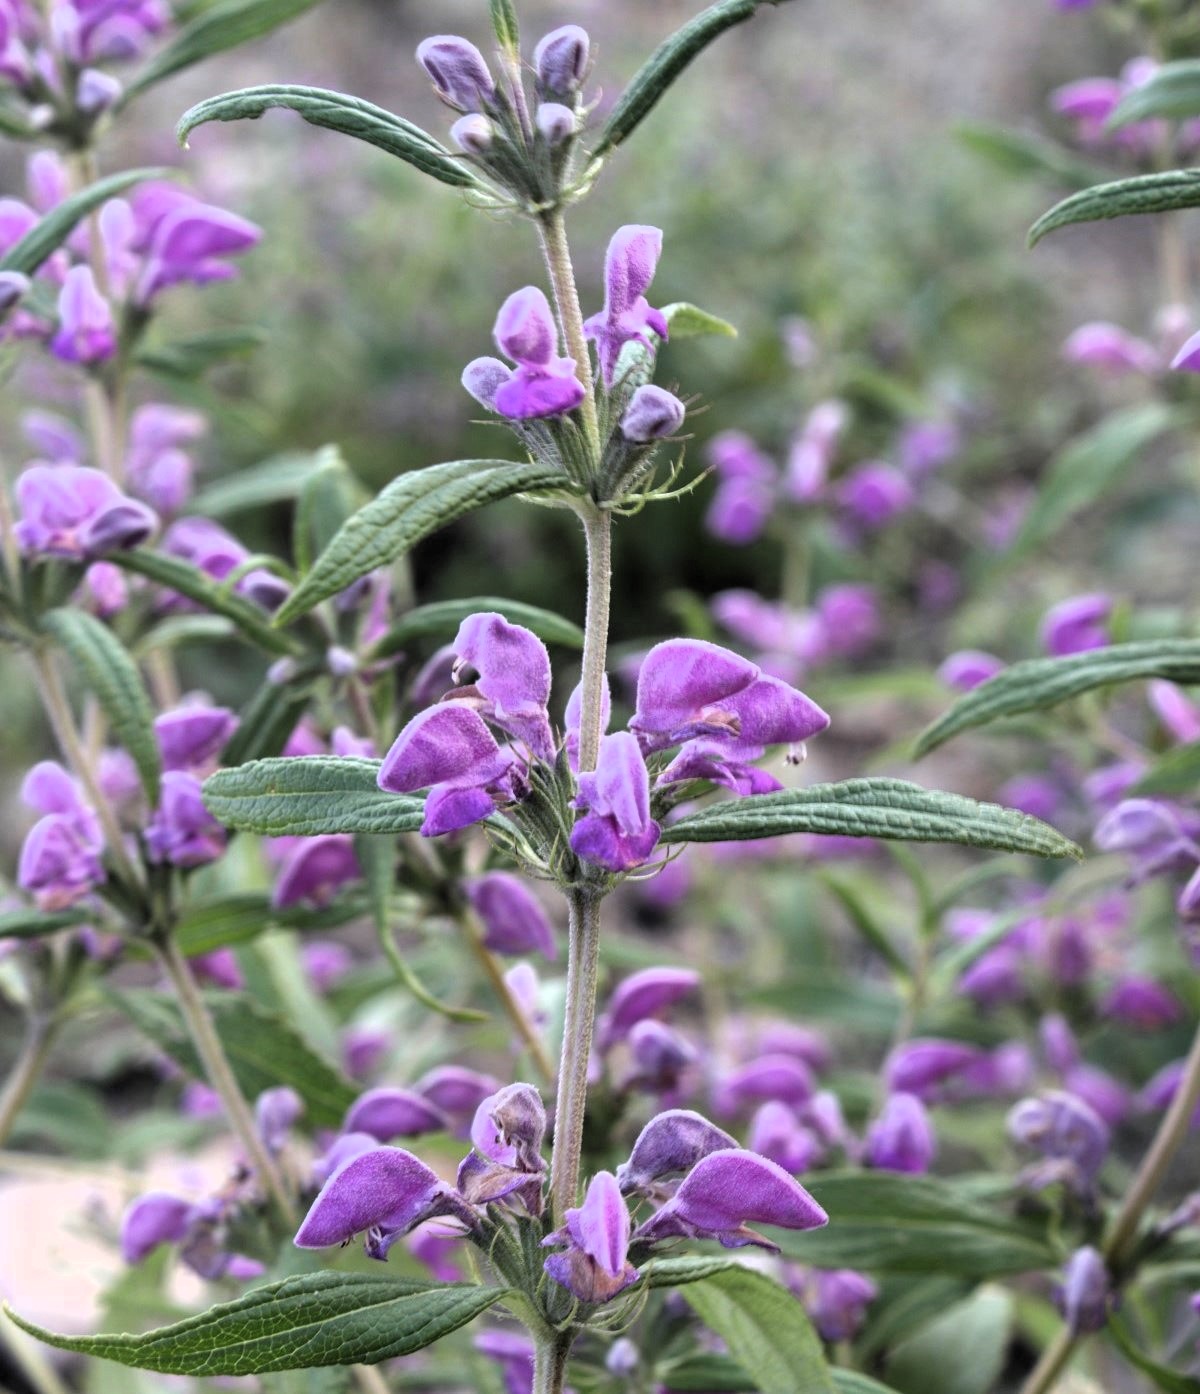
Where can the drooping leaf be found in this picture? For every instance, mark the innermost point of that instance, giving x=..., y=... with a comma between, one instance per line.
x=178, y=575
x=106, y=667
x=1017, y=152
x=765, y=1328
x=665, y=65
x=224, y=25
x=444, y=616
x=335, y=111
x=1086, y=469
x=409, y=509
x=1144, y=193
x=1161, y=1376
x=46, y=236
x=1037, y=683
x=962, y=1351
x=309, y=795
x=887, y=1223
x=264, y=1049
x=314, y=1320
x=884, y=808
x=1172, y=91
x=28, y=923
x=1177, y=772
x=691, y=322
x=190, y=358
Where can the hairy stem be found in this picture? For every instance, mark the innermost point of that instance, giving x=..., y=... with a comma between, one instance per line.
x=25, y=1073
x=550, y=1364
x=582, y=968
x=597, y=531
x=552, y=230
x=220, y=1075
x=533, y=1043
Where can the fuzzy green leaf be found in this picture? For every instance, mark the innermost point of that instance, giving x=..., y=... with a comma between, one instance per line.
x=765, y=1328
x=1016, y=152
x=1037, y=683
x=235, y=919
x=1144, y=193
x=854, y=1382
x=444, y=616
x=335, y=111
x=677, y=1272
x=408, y=510
x=276, y=480
x=504, y=23
x=961, y=1351
x=1177, y=772
x=107, y=669
x=690, y=322
x=885, y=808
x=317, y=1319
x=190, y=358
x=309, y=795
x=28, y=923
x=665, y=65
x=1173, y=91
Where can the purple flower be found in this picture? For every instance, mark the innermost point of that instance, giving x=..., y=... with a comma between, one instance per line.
x=968, y=668
x=556, y=124
x=1187, y=360
x=513, y=1352
x=726, y=1189
x=652, y=413
x=343, y=1149
x=1085, y=1296
x=925, y=446
x=1142, y=1004
x=363, y=1047
x=901, y=1138
x=158, y=469
x=513, y=919
x=627, y=317
x=511, y=686
x=542, y=384
x=457, y=1091
x=813, y=450
x=182, y=831
x=836, y=1300
x=449, y=751
x=325, y=962
x=561, y=60
x=645, y=994
x=315, y=870
x=474, y=135
x=849, y=618
x=458, y=72
x=507, y=1134
x=1177, y=712
x=1076, y=625
x=208, y=546
x=660, y=1057
x=60, y=857
x=873, y=494
x=616, y=831
x=388, y=1113
x=192, y=736
x=777, y=1133
x=595, y=1264
x=1109, y=348
x=385, y=1192
x=1070, y=1136
x=86, y=333
x=153, y=1219
x=184, y=239
x=780, y=1077
x=745, y=497
x=218, y=968
x=73, y=512
x=276, y=1111
x=672, y=1142
x=920, y=1067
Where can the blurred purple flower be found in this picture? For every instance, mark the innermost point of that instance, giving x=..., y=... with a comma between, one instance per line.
x=513, y=919
x=902, y=1137
x=72, y=512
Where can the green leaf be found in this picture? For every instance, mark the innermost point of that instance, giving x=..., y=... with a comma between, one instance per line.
x=236, y=919
x=335, y=111
x=190, y=581
x=53, y=230
x=317, y=1319
x=13, y=123
x=264, y=1049
x=329, y=497
x=704, y=1374
x=1173, y=91
x=409, y=509
x=227, y=24
x=852, y=1382
x=690, y=322
x=850, y=899
x=666, y=63
x=276, y=480
x=1016, y=152
x=678, y=1272
x=1087, y=468
x=887, y=1223
x=962, y=1351
x=266, y=722
x=28, y=923
x=504, y=22
x=885, y=808
x=1144, y=193
x=1159, y=1375
x=112, y=675
x=192, y=357
x=1037, y=683
x=1177, y=772
x=309, y=795
x=765, y=1328
x=444, y=616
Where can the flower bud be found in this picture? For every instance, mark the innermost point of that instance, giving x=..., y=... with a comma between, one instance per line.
x=561, y=60
x=652, y=414
x=12, y=287
x=458, y=71
x=96, y=91
x=902, y=1137
x=1085, y=1292
x=556, y=123
x=473, y=134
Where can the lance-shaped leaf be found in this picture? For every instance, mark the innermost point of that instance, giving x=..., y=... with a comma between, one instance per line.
x=884, y=808
x=1087, y=468
x=675, y=1272
x=301, y=1323
x=1160, y=1376
x=224, y=25
x=409, y=509
x=235, y=919
x=275, y=480
x=107, y=669
x=335, y=111
x=178, y=575
x=309, y=795
x=28, y=923
x=264, y=1049
x=1172, y=91
x=52, y=231
x=1144, y=193
x=666, y=63
x=444, y=617
x=765, y=1328
x=687, y=321
x=1018, y=153
x=190, y=358
x=1037, y=683
x=504, y=22
x=1177, y=772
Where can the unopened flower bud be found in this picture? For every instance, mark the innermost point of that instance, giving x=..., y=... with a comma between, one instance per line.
x=96, y=91
x=561, y=60
x=1085, y=1292
x=340, y=661
x=556, y=123
x=652, y=414
x=473, y=134
x=12, y=287
x=282, y=671
x=458, y=71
